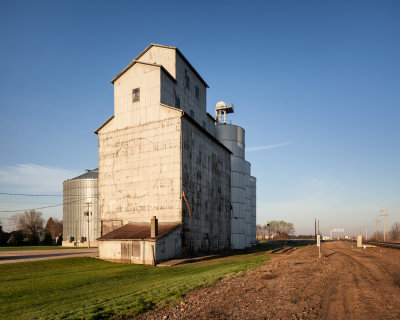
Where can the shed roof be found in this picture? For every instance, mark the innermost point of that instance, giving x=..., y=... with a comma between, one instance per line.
x=132, y=231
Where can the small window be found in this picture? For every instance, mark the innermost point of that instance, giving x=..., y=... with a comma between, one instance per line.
x=187, y=80
x=192, y=113
x=177, y=102
x=136, y=94
x=204, y=125
x=197, y=93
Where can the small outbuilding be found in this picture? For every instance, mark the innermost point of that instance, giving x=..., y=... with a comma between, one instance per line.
x=141, y=243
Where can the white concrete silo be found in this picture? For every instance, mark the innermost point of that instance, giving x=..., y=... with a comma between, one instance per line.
x=233, y=137
x=253, y=185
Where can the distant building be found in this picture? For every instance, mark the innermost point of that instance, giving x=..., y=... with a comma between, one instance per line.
x=80, y=203
x=164, y=175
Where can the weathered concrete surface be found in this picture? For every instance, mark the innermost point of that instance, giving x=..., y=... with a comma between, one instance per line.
x=243, y=187
x=142, y=251
x=33, y=255
x=206, y=182
x=159, y=146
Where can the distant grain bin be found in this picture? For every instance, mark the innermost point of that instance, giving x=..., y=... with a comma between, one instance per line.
x=80, y=210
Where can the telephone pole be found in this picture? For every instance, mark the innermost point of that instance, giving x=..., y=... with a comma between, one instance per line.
x=376, y=232
x=88, y=214
x=384, y=213
x=315, y=228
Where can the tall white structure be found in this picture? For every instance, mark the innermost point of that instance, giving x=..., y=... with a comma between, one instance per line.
x=159, y=157
x=243, y=185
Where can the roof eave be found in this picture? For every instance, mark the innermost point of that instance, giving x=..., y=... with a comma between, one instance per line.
x=179, y=52
x=205, y=131
x=104, y=124
x=133, y=62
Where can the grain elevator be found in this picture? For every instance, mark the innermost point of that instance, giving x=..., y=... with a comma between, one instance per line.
x=173, y=180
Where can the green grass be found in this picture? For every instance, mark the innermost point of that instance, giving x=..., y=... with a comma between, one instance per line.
x=76, y=288
x=37, y=248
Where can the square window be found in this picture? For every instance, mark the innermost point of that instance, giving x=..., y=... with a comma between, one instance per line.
x=187, y=81
x=136, y=94
x=197, y=93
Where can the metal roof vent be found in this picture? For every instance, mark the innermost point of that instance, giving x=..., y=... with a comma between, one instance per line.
x=221, y=108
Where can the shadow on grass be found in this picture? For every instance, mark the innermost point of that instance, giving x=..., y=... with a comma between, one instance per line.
x=260, y=248
x=271, y=245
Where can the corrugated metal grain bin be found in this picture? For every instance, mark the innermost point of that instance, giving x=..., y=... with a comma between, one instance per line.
x=80, y=210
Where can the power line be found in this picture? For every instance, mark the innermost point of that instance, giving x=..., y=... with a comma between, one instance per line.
x=31, y=195
x=20, y=210
x=46, y=207
x=34, y=195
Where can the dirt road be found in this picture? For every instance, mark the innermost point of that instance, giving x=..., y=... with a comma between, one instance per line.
x=347, y=283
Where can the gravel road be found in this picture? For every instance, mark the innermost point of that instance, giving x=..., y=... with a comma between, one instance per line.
x=346, y=283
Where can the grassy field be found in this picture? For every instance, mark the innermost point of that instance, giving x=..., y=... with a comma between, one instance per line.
x=37, y=248
x=87, y=288
x=77, y=288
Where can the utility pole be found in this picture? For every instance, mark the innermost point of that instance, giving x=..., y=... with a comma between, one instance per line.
x=366, y=233
x=376, y=231
x=315, y=228
x=384, y=213
x=88, y=214
x=318, y=227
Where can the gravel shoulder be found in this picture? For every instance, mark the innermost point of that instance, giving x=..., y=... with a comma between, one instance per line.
x=346, y=283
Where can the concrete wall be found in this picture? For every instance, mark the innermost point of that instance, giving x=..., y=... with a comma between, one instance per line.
x=162, y=56
x=248, y=209
x=243, y=187
x=233, y=137
x=128, y=113
x=140, y=172
x=253, y=185
x=191, y=104
x=206, y=183
x=146, y=251
x=139, y=155
x=169, y=246
x=130, y=251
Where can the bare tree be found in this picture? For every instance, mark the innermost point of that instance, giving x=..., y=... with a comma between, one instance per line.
x=31, y=224
x=377, y=236
x=276, y=229
x=54, y=227
x=4, y=236
x=281, y=229
x=394, y=232
x=262, y=232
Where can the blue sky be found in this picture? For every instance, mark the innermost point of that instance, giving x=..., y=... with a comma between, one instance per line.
x=314, y=83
